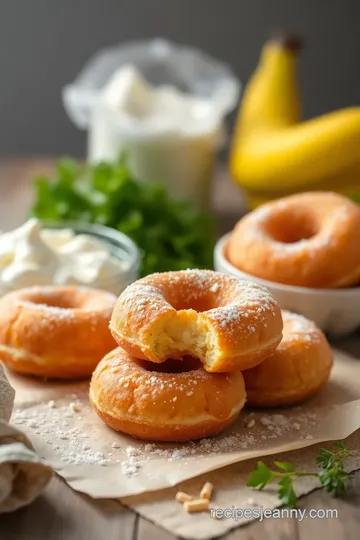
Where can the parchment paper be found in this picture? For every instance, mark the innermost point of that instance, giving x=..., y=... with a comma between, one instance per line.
x=230, y=490
x=96, y=460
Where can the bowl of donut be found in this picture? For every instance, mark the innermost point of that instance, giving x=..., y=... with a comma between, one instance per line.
x=175, y=357
x=305, y=249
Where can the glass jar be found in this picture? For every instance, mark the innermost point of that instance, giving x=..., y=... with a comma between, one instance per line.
x=119, y=245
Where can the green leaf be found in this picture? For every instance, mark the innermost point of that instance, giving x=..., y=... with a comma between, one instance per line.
x=286, y=492
x=324, y=458
x=334, y=481
x=260, y=476
x=171, y=235
x=340, y=445
x=284, y=466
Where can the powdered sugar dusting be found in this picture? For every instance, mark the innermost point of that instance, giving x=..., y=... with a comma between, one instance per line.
x=298, y=328
x=229, y=307
x=69, y=439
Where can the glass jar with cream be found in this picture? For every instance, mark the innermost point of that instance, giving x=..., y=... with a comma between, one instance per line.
x=70, y=253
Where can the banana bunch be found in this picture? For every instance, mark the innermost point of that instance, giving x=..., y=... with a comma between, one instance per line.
x=273, y=153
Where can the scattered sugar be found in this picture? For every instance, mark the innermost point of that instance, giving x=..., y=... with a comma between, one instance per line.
x=68, y=442
x=73, y=446
x=51, y=404
x=63, y=435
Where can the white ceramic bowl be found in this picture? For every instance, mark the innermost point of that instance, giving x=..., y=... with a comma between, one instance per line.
x=336, y=311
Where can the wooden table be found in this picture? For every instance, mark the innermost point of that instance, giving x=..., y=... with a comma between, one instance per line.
x=62, y=514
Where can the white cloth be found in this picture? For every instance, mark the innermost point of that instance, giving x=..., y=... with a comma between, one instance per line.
x=22, y=474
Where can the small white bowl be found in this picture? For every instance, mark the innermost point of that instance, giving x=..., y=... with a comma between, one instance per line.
x=336, y=311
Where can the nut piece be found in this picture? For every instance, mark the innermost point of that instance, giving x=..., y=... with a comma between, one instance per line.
x=198, y=505
x=183, y=497
x=206, y=491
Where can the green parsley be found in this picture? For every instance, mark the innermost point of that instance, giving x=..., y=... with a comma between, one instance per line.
x=172, y=235
x=332, y=475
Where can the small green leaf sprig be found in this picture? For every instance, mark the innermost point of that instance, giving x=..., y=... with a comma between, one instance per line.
x=332, y=475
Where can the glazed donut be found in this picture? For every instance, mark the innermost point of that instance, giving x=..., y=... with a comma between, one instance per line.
x=179, y=403
x=229, y=324
x=54, y=331
x=308, y=240
x=298, y=368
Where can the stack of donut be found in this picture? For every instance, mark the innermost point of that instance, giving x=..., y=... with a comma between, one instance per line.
x=194, y=346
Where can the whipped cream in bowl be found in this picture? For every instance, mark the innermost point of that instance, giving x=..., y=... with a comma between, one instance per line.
x=40, y=253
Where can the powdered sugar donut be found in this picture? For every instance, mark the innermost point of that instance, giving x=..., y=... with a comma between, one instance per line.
x=228, y=323
x=307, y=240
x=55, y=331
x=173, y=401
x=298, y=368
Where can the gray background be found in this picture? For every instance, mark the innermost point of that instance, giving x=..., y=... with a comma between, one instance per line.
x=43, y=44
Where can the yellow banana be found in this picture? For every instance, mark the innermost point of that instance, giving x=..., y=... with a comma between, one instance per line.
x=273, y=153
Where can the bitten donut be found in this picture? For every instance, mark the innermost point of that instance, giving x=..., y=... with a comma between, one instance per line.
x=229, y=324
x=298, y=368
x=53, y=331
x=179, y=403
x=307, y=240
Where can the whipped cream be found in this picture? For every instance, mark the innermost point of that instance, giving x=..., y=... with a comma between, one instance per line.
x=31, y=255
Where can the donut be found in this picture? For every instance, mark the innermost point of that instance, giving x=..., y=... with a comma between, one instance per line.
x=297, y=370
x=54, y=331
x=228, y=323
x=306, y=240
x=173, y=401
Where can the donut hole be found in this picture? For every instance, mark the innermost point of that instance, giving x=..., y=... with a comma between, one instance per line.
x=52, y=301
x=291, y=227
x=68, y=298
x=188, y=363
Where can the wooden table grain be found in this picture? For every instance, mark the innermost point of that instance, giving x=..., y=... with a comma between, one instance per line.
x=62, y=514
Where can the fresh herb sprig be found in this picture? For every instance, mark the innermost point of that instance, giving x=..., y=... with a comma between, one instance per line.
x=332, y=475
x=172, y=235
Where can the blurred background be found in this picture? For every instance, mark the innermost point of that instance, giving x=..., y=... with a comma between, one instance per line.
x=44, y=44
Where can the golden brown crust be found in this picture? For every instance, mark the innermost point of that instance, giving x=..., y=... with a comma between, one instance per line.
x=306, y=240
x=299, y=367
x=230, y=324
x=58, y=332
x=173, y=406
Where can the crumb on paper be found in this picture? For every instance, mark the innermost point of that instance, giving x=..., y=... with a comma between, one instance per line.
x=197, y=505
x=182, y=497
x=74, y=407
